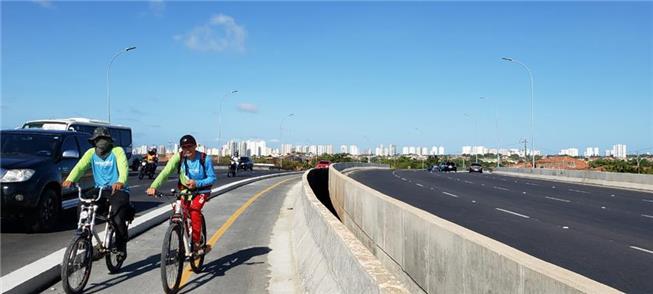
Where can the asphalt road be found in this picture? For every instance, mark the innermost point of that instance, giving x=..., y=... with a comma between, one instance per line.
x=245, y=259
x=604, y=234
x=18, y=248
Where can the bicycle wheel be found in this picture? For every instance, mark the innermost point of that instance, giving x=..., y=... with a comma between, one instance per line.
x=172, y=258
x=112, y=259
x=77, y=263
x=196, y=262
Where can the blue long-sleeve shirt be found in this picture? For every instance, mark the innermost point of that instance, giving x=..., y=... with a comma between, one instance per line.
x=202, y=178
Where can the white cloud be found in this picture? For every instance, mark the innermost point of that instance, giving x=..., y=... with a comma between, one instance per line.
x=247, y=107
x=157, y=7
x=44, y=3
x=219, y=34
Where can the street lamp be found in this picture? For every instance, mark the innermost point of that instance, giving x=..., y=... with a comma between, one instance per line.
x=108, y=80
x=496, y=123
x=530, y=75
x=220, y=120
x=281, y=140
x=420, y=148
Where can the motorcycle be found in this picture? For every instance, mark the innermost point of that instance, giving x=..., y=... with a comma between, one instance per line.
x=233, y=167
x=148, y=169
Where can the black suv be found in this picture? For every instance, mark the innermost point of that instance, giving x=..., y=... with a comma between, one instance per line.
x=245, y=163
x=448, y=167
x=34, y=163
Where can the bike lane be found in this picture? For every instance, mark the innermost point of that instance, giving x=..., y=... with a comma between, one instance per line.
x=240, y=224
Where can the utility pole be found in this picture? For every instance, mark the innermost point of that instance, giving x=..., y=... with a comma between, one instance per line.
x=525, y=148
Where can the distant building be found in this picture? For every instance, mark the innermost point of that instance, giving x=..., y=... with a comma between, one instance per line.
x=441, y=150
x=619, y=151
x=353, y=150
x=344, y=149
x=592, y=151
x=393, y=150
x=569, y=152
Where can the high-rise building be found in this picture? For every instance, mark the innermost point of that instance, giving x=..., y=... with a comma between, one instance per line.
x=344, y=149
x=393, y=150
x=441, y=150
x=286, y=149
x=467, y=150
x=619, y=151
x=592, y=151
x=353, y=150
x=411, y=150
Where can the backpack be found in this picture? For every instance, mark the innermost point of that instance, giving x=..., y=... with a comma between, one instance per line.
x=185, y=163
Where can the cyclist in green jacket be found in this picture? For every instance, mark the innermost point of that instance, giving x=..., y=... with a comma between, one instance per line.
x=110, y=170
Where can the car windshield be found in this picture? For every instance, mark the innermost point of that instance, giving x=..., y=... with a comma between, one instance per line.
x=33, y=144
x=46, y=126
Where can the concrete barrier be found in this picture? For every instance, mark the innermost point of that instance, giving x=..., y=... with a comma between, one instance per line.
x=329, y=258
x=608, y=179
x=431, y=255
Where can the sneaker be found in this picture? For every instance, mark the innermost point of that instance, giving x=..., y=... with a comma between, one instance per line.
x=199, y=250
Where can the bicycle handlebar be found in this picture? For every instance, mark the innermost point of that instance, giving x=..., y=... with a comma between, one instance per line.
x=79, y=194
x=174, y=193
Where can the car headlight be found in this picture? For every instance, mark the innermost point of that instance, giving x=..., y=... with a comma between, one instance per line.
x=17, y=175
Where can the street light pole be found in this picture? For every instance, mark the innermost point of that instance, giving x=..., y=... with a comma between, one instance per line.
x=220, y=121
x=108, y=75
x=530, y=75
x=281, y=140
x=475, y=134
x=420, y=151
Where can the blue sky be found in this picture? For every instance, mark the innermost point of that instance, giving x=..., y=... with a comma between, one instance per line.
x=396, y=73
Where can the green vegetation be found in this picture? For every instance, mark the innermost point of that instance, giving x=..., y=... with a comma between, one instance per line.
x=624, y=166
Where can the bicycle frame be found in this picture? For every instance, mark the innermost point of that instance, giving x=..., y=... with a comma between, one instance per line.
x=87, y=215
x=182, y=216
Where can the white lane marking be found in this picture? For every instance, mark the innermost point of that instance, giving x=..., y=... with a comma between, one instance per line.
x=647, y=200
x=449, y=194
x=602, y=207
x=611, y=195
x=482, y=184
x=553, y=187
x=513, y=213
x=565, y=227
x=403, y=179
x=500, y=188
x=135, y=186
x=523, y=193
x=473, y=201
x=420, y=185
x=579, y=191
x=646, y=215
x=468, y=182
x=641, y=249
x=531, y=184
x=557, y=199
x=431, y=188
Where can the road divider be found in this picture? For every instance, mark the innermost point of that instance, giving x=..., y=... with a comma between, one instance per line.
x=429, y=254
x=608, y=179
x=45, y=271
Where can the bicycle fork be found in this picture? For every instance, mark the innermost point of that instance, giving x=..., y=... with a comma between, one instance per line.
x=184, y=226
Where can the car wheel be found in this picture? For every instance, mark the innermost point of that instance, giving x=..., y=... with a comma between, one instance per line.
x=46, y=214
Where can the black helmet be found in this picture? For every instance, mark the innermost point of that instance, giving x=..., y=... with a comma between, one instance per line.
x=152, y=151
x=187, y=140
x=100, y=132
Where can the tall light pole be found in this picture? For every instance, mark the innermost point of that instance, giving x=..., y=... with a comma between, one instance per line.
x=475, y=133
x=530, y=75
x=496, y=124
x=369, y=149
x=220, y=120
x=281, y=140
x=108, y=80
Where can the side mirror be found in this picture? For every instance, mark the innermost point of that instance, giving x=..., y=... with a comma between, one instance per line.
x=70, y=154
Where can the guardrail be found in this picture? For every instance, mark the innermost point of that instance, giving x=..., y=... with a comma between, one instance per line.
x=610, y=179
x=431, y=255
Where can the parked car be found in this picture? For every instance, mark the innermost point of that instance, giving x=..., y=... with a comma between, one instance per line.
x=323, y=164
x=476, y=168
x=245, y=163
x=34, y=163
x=434, y=168
x=448, y=167
x=121, y=135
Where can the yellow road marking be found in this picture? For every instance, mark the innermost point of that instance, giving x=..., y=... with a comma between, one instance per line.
x=188, y=271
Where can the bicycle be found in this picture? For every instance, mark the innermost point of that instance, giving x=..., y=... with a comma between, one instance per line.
x=79, y=256
x=178, y=244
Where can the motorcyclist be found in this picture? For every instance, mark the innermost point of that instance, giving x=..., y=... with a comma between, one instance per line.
x=110, y=170
x=195, y=171
x=152, y=159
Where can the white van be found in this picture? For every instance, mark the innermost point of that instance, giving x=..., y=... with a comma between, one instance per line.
x=122, y=136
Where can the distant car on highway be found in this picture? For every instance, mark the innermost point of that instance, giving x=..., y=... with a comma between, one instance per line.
x=121, y=135
x=434, y=168
x=34, y=163
x=448, y=167
x=476, y=168
x=323, y=164
x=245, y=163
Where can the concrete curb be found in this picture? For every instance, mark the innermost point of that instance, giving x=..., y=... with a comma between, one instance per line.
x=45, y=271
